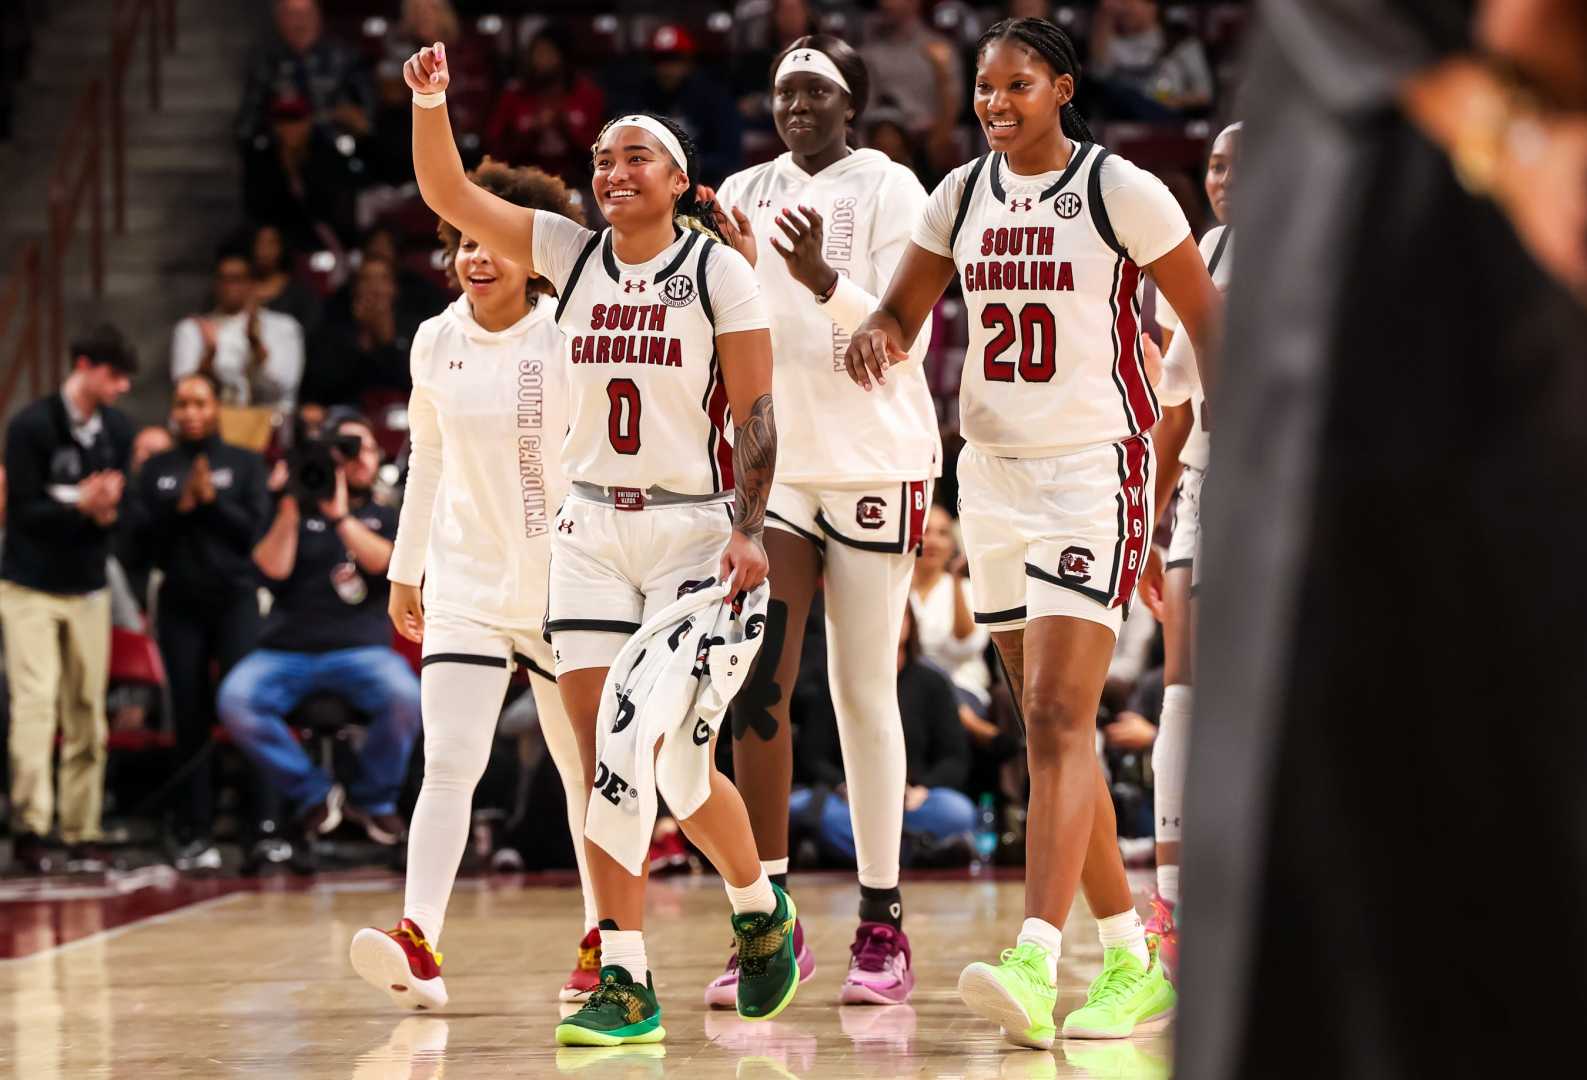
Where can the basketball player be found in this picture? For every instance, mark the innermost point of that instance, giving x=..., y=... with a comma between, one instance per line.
x=487, y=407
x=666, y=333
x=824, y=226
x=1050, y=234
x=1181, y=388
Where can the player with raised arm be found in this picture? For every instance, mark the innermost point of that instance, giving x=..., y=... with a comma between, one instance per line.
x=1050, y=235
x=666, y=338
x=824, y=226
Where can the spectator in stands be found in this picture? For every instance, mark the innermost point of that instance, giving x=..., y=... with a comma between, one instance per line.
x=757, y=41
x=418, y=296
x=303, y=62
x=255, y=354
x=916, y=70
x=550, y=114
x=950, y=638
x=195, y=513
x=1143, y=70
x=295, y=177
x=677, y=87
x=325, y=560
x=66, y=456
x=884, y=131
x=275, y=285
x=364, y=350
x=935, y=747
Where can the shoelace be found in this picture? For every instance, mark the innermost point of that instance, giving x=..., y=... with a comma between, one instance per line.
x=611, y=992
x=1114, y=982
x=403, y=931
x=759, y=938
x=1029, y=963
x=875, y=950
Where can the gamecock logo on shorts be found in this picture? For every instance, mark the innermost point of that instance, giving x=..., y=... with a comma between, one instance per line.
x=870, y=512
x=1074, y=565
x=678, y=291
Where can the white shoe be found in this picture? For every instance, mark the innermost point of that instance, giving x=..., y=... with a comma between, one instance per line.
x=400, y=963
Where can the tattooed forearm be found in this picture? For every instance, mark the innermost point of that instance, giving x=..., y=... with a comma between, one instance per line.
x=754, y=462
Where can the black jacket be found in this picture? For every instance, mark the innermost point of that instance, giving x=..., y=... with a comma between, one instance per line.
x=207, y=552
x=50, y=546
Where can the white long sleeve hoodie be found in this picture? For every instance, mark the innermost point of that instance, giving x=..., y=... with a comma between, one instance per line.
x=486, y=419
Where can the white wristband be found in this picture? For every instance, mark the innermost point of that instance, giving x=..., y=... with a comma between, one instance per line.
x=429, y=101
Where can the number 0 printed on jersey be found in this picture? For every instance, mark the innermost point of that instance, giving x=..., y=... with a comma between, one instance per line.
x=622, y=424
x=1037, y=336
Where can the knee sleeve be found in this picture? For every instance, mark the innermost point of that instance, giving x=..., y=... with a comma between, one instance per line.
x=1170, y=755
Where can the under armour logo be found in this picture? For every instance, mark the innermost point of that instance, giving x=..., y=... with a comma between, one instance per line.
x=454, y=364
x=1019, y=204
x=804, y=57
x=633, y=286
x=565, y=526
x=762, y=204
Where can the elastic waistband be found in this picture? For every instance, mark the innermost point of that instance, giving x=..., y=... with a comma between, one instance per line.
x=626, y=498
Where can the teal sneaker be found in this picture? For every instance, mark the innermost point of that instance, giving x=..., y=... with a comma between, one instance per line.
x=617, y=1012
x=768, y=972
x=1127, y=999
x=1016, y=993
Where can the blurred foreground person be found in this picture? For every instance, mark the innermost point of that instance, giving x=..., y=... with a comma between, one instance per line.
x=1393, y=524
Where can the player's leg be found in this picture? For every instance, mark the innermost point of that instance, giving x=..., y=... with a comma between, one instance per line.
x=762, y=731
x=462, y=683
x=865, y=601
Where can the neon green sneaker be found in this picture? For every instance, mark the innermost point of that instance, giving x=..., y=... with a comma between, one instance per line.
x=1016, y=994
x=1116, y=1060
x=1126, y=999
x=618, y=1011
x=768, y=972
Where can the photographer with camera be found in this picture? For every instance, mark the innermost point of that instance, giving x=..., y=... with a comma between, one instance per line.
x=195, y=513
x=325, y=559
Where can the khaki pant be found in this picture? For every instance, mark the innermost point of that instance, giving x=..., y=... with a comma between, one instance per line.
x=57, y=651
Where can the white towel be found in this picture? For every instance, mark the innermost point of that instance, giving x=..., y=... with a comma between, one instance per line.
x=671, y=685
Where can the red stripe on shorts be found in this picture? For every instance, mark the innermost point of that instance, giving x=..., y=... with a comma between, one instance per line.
x=915, y=494
x=1137, y=514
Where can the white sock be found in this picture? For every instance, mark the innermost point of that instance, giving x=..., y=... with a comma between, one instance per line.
x=1043, y=933
x=773, y=867
x=1168, y=882
x=1125, y=931
x=1170, y=757
x=756, y=896
x=625, y=949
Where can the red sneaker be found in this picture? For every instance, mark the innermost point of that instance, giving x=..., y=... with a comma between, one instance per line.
x=402, y=963
x=667, y=854
x=587, y=972
x=1162, y=936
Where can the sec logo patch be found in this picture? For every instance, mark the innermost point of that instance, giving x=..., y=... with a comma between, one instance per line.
x=1067, y=205
x=678, y=291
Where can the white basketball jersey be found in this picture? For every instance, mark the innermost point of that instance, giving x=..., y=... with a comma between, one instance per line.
x=830, y=430
x=1181, y=377
x=486, y=417
x=646, y=403
x=1051, y=267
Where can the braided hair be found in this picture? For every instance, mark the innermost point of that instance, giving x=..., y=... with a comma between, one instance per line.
x=1047, y=40
x=688, y=212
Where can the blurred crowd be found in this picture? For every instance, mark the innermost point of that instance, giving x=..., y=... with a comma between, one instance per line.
x=257, y=694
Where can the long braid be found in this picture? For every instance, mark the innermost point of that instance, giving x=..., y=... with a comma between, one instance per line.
x=1053, y=45
x=689, y=212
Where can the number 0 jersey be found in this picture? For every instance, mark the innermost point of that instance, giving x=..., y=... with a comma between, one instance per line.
x=1051, y=268
x=646, y=403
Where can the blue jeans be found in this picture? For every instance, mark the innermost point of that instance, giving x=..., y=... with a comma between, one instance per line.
x=267, y=684
x=945, y=813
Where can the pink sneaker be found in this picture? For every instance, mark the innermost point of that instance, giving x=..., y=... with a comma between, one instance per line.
x=1162, y=936
x=879, y=973
x=722, y=992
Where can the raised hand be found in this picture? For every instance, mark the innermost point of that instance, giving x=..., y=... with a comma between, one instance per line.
x=806, y=264
x=734, y=225
x=426, y=72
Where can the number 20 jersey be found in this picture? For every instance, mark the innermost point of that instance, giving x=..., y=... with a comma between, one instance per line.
x=1051, y=267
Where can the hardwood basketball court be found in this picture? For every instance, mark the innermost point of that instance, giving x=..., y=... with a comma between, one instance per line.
x=233, y=978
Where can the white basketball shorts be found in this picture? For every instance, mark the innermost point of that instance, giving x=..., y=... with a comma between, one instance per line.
x=1064, y=535
x=612, y=569
x=889, y=518
x=1184, y=548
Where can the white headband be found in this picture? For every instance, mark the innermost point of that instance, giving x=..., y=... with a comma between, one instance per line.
x=669, y=142
x=814, y=61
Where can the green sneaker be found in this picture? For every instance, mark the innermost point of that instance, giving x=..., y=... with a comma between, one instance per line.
x=1126, y=999
x=1016, y=994
x=618, y=1011
x=768, y=973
